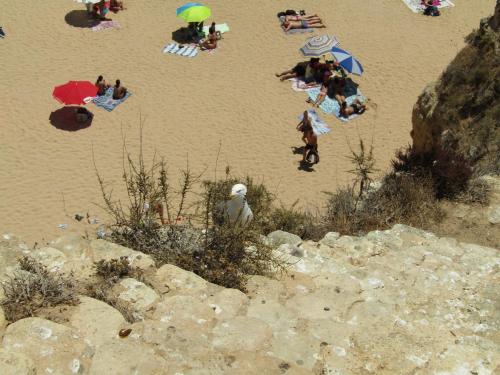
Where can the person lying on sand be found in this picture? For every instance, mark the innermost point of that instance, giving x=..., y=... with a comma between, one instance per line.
x=355, y=108
x=304, y=70
x=119, y=91
x=322, y=93
x=314, y=17
x=116, y=5
x=101, y=85
x=288, y=25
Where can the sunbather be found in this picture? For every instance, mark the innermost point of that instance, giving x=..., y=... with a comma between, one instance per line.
x=209, y=43
x=322, y=93
x=119, y=91
x=103, y=7
x=302, y=18
x=304, y=70
x=355, y=108
x=289, y=25
x=101, y=85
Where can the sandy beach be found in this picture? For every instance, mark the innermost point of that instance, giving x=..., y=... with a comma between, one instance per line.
x=229, y=98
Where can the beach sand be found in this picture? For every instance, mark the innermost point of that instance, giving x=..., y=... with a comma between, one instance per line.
x=191, y=106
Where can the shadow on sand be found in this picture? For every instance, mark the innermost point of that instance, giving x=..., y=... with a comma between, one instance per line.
x=65, y=119
x=182, y=36
x=303, y=165
x=80, y=18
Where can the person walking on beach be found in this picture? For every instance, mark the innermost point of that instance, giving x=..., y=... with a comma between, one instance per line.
x=311, y=141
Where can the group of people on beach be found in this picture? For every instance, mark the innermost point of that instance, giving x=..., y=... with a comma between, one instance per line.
x=292, y=20
x=119, y=91
x=197, y=35
x=101, y=9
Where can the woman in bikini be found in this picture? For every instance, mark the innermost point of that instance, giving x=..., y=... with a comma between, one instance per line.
x=101, y=85
x=297, y=17
x=356, y=108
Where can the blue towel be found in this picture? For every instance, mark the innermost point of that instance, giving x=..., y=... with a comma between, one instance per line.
x=332, y=106
x=319, y=126
x=107, y=102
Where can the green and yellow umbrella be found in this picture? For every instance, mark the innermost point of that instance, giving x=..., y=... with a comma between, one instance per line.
x=193, y=12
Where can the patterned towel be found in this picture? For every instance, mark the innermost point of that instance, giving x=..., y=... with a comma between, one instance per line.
x=332, y=106
x=184, y=50
x=319, y=126
x=107, y=102
x=299, y=85
x=416, y=5
x=103, y=25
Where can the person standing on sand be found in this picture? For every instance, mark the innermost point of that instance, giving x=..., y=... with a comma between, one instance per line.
x=311, y=147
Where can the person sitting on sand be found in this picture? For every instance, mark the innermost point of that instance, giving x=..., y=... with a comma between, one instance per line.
x=119, y=91
x=304, y=70
x=209, y=43
x=104, y=9
x=101, y=85
x=311, y=147
x=212, y=30
x=356, y=108
x=289, y=25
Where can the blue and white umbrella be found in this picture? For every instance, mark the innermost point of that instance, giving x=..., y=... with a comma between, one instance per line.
x=347, y=61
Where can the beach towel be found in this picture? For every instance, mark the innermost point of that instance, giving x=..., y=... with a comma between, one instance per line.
x=103, y=25
x=187, y=50
x=299, y=85
x=332, y=106
x=319, y=126
x=222, y=28
x=107, y=102
x=295, y=31
x=416, y=5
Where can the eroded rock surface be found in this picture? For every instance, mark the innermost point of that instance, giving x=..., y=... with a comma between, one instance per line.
x=400, y=301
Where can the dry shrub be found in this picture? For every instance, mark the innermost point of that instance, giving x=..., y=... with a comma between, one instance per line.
x=115, y=269
x=100, y=289
x=341, y=211
x=477, y=192
x=33, y=287
x=221, y=253
x=290, y=219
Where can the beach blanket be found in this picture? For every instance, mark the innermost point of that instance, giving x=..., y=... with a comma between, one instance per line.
x=332, y=106
x=107, y=102
x=187, y=50
x=295, y=31
x=222, y=28
x=299, y=85
x=103, y=25
x=416, y=5
x=319, y=126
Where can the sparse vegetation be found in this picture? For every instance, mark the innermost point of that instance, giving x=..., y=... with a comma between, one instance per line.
x=33, y=287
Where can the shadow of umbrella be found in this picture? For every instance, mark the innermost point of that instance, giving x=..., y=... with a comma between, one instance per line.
x=65, y=119
x=182, y=36
x=80, y=18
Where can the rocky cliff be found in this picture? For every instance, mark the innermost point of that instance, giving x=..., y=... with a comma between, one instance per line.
x=401, y=301
x=461, y=110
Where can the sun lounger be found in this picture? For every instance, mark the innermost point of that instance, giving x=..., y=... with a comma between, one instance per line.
x=319, y=126
x=103, y=25
x=222, y=28
x=107, y=102
x=187, y=50
x=416, y=5
x=332, y=106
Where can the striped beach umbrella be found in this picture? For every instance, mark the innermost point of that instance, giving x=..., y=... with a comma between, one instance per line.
x=319, y=45
x=193, y=12
x=347, y=61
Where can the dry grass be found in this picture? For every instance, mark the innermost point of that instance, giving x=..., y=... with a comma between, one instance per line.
x=33, y=287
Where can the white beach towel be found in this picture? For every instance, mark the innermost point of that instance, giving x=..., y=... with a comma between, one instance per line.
x=299, y=85
x=416, y=5
x=185, y=50
x=106, y=25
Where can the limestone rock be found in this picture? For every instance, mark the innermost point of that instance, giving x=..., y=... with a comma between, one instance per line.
x=137, y=295
x=12, y=363
x=105, y=250
x=172, y=279
x=241, y=333
x=121, y=357
x=330, y=238
x=279, y=237
x=228, y=303
x=53, y=347
x=96, y=321
x=494, y=215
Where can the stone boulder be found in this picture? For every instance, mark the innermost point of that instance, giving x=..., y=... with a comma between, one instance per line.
x=104, y=250
x=53, y=348
x=12, y=363
x=241, y=333
x=280, y=237
x=172, y=279
x=137, y=296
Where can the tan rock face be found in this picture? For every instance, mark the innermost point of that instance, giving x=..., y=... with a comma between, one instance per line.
x=104, y=250
x=400, y=301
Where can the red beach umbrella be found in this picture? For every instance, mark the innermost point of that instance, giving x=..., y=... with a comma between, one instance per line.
x=75, y=92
